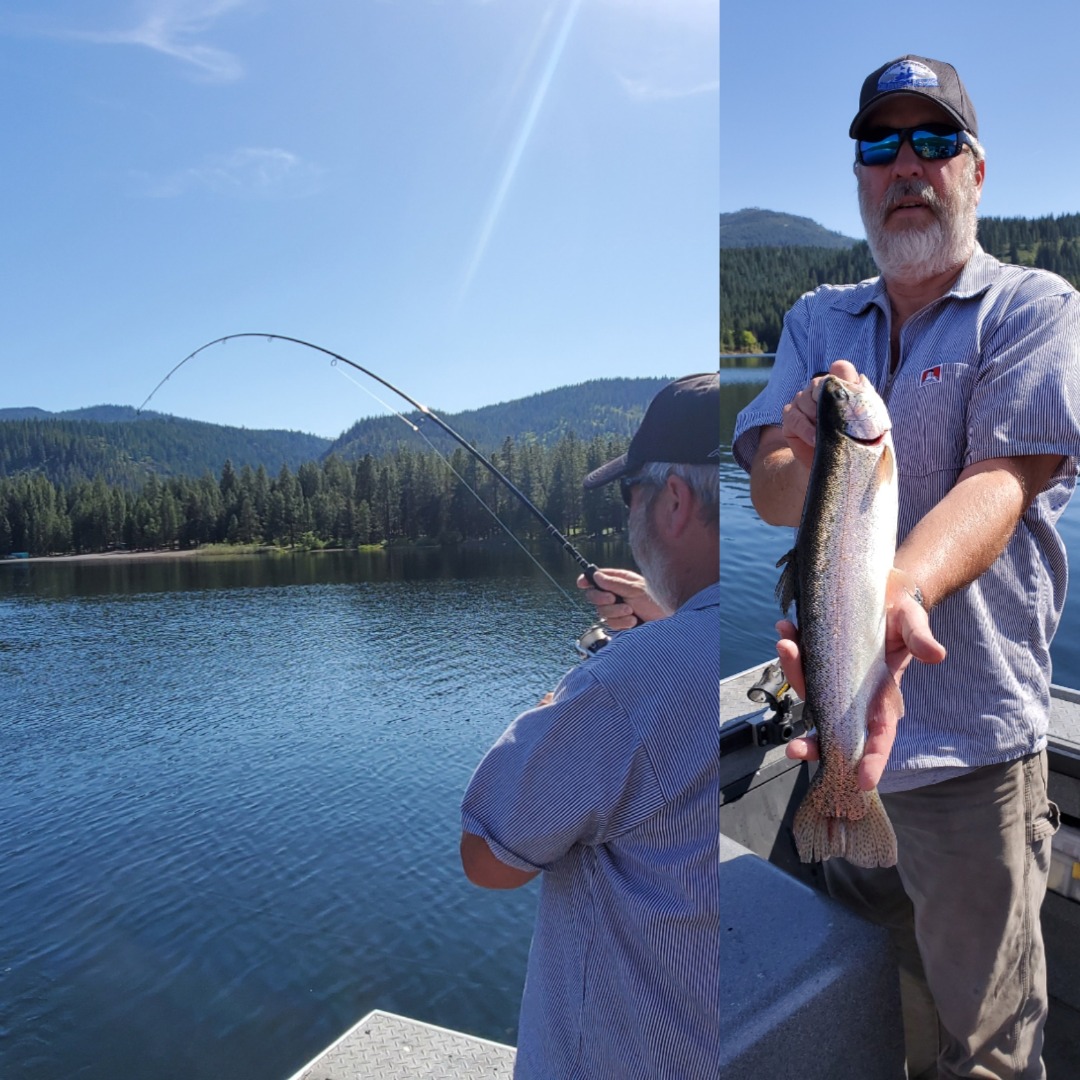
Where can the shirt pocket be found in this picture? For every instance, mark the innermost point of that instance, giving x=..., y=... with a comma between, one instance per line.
x=928, y=408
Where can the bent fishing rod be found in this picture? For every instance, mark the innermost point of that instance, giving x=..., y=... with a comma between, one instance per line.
x=596, y=636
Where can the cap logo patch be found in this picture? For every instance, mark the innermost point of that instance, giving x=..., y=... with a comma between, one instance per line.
x=906, y=75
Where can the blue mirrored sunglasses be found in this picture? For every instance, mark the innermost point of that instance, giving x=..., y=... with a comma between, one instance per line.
x=932, y=142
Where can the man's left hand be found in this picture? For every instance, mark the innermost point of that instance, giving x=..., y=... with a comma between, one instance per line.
x=907, y=637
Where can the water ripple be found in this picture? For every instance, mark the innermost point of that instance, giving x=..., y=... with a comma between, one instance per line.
x=230, y=817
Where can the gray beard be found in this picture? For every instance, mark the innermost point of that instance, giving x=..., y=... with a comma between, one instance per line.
x=656, y=568
x=915, y=254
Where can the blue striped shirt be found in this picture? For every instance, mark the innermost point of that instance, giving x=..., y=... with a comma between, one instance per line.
x=613, y=791
x=992, y=369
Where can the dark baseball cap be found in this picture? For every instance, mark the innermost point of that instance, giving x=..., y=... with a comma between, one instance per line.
x=932, y=79
x=681, y=426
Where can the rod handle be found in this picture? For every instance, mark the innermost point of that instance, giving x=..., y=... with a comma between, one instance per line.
x=590, y=577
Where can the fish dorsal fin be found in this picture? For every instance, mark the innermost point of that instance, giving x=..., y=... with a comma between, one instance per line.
x=785, y=587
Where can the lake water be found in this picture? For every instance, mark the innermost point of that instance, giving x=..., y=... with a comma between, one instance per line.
x=229, y=807
x=749, y=550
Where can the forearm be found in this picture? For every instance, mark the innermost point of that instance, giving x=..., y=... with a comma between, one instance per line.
x=483, y=868
x=963, y=535
x=778, y=483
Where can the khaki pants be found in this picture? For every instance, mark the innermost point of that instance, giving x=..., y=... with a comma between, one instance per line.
x=962, y=904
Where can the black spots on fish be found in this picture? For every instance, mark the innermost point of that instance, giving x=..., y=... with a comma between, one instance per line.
x=785, y=587
x=840, y=821
x=869, y=494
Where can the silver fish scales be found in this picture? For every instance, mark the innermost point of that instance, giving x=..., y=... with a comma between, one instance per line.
x=837, y=575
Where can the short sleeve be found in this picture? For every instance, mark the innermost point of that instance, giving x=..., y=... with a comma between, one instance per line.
x=572, y=772
x=787, y=378
x=1026, y=397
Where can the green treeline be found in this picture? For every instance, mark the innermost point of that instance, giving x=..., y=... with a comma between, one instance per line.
x=407, y=495
x=758, y=285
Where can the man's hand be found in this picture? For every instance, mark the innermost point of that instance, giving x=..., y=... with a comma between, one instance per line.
x=780, y=470
x=799, y=426
x=907, y=637
x=621, y=598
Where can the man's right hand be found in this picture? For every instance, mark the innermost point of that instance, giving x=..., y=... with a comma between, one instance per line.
x=621, y=598
x=781, y=467
x=799, y=426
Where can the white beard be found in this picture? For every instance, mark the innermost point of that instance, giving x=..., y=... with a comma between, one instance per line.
x=650, y=557
x=917, y=253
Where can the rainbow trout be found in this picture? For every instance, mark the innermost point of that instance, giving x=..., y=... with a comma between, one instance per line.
x=836, y=574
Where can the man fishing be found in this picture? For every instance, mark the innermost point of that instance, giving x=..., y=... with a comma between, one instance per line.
x=610, y=791
x=978, y=364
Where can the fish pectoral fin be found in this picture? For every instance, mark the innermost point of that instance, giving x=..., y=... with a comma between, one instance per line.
x=785, y=587
x=886, y=468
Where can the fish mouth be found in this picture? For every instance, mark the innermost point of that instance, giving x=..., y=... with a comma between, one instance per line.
x=873, y=440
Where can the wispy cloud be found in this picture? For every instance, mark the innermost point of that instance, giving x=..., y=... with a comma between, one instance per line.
x=173, y=27
x=256, y=172
x=652, y=88
x=662, y=50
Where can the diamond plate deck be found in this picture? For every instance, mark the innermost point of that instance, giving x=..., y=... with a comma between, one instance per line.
x=384, y=1046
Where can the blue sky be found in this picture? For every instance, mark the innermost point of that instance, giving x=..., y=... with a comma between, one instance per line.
x=477, y=200
x=790, y=74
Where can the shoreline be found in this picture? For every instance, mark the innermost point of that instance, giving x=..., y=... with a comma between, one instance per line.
x=112, y=556
x=225, y=551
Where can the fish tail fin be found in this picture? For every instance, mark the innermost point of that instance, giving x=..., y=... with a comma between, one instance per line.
x=851, y=824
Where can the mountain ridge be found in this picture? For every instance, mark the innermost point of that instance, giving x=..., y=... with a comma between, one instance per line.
x=756, y=227
x=125, y=447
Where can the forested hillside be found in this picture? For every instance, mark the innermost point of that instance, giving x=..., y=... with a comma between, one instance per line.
x=405, y=495
x=596, y=407
x=152, y=481
x=128, y=448
x=759, y=284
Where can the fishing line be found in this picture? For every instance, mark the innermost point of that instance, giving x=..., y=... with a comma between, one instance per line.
x=596, y=636
x=375, y=397
x=465, y=483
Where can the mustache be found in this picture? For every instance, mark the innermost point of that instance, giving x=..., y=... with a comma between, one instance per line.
x=901, y=191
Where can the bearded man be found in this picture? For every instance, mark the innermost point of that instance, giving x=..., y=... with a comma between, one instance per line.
x=978, y=364
x=610, y=790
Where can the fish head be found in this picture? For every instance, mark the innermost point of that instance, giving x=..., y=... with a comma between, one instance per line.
x=853, y=410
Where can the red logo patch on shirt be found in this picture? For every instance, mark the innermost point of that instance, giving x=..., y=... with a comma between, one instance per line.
x=930, y=374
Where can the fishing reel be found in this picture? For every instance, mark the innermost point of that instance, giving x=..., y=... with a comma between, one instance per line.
x=593, y=640
x=599, y=634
